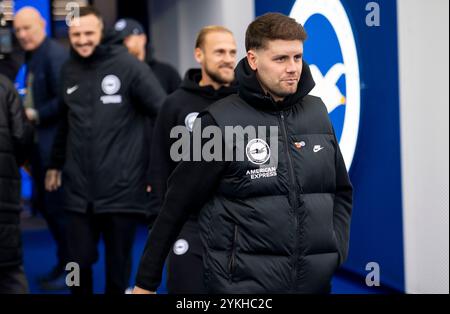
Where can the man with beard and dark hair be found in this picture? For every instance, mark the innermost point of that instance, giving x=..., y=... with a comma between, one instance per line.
x=107, y=95
x=276, y=220
x=215, y=51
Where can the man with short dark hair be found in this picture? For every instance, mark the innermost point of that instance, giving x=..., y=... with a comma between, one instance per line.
x=275, y=217
x=99, y=148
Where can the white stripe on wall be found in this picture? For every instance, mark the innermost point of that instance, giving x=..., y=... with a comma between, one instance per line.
x=423, y=28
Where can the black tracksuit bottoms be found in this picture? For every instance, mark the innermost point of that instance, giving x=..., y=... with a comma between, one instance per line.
x=118, y=232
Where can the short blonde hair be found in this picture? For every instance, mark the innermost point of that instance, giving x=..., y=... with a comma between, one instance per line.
x=207, y=30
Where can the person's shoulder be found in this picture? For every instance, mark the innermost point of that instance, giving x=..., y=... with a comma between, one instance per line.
x=228, y=102
x=7, y=89
x=175, y=101
x=121, y=53
x=131, y=64
x=56, y=48
x=178, y=105
x=55, y=44
x=6, y=83
x=314, y=104
x=163, y=67
x=316, y=112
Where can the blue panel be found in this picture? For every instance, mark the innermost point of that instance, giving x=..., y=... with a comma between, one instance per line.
x=282, y=6
x=26, y=185
x=377, y=230
x=322, y=49
x=42, y=5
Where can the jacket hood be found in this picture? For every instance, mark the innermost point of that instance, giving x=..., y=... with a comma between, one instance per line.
x=251, y=91
x=191, y=84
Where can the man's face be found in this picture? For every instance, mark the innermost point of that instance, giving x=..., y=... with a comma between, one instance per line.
x=278, y=66
x=218, y=57
x=30, y=31
x=136, y=44
x=85, y=34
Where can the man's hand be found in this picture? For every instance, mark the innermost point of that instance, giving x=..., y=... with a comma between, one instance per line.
x=52, y=180
x=31, y=114
x=149, y=188
x=138, y=290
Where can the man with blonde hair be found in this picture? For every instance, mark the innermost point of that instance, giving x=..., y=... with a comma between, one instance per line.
x=215, y=51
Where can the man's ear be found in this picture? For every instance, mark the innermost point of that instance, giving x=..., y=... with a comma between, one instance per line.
x=144, y=39
x=198, y=55
x=43, y=23
x=252, y=59
x=102, y=26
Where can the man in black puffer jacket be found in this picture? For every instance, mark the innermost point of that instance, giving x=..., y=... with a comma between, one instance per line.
x=108, y=94
x=16, y=138
x=276, y=220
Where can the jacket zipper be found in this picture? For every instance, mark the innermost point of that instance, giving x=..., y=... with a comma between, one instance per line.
x=294, y=200
x=291, y=168
x=90, y=139
x=232, y=262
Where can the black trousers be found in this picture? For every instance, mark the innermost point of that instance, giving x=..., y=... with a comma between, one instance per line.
x=49, y=204
x=13, y=280
x=185, y=262
x=118, y=233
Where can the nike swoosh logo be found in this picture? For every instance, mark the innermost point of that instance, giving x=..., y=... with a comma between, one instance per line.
x=72, y=90
x=317, y=149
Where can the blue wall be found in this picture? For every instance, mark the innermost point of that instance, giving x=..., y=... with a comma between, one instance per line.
x=377, y=231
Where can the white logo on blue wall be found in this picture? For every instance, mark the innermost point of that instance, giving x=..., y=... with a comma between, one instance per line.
x=331, y=52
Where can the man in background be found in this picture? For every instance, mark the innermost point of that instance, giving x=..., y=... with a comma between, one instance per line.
x=16, y=135
x=215, y=51
x=133, y=36
x=130, y=33
x=43, y=59
x=98, y=152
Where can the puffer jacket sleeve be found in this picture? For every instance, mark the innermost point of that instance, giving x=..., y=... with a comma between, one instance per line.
x=146, y=92
x=343, y=203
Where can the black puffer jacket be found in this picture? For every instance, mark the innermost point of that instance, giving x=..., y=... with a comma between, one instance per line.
x=16, y=135
x=100, y=142
x=277, y=226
